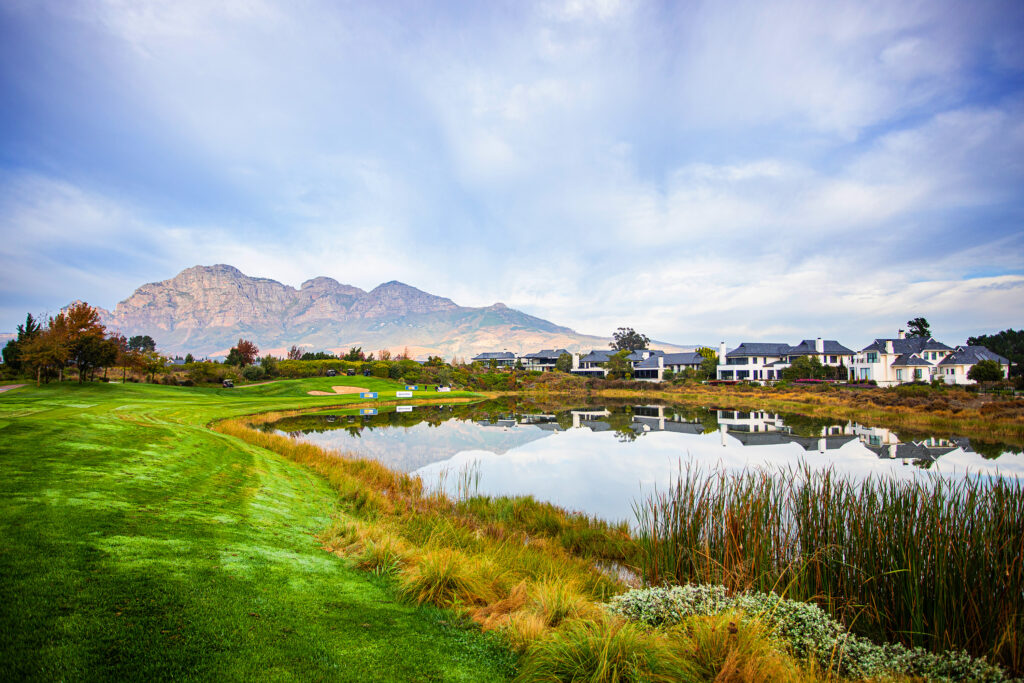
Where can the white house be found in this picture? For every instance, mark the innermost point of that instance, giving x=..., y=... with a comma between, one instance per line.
x=953, y=368
x=592, y=364
x=653, y=367
x=764, y=361
x=897, y=361
x=501, y=359
x=543, y=360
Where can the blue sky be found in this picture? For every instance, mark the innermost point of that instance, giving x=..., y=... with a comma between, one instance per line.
x=699, y=171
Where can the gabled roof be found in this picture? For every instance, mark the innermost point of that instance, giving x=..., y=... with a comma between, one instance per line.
x=546, y=353
x=496, y=355
x=908, y=345
x=759, y=349
x=911, y=359
x=969, y=355
x=596, y=356
x=832, y=348
x=670, y=359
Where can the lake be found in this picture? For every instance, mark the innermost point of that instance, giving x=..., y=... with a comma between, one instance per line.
x=599, y=459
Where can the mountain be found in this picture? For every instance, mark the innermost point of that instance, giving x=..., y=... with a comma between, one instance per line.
x=204, y=310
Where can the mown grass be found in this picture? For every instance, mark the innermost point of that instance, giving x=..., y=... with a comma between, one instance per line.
x=138, y=545
x=933, y=563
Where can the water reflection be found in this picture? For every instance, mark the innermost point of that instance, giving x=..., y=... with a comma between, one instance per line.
x=599, y=459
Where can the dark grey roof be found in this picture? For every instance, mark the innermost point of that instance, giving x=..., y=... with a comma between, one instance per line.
x=911, y=359
x=496, y=355
x=759, y=349
x=969, y=355
x=670, y=359
x=596, y=356
x=908, y=345
x=832, y=348
x=544, y=354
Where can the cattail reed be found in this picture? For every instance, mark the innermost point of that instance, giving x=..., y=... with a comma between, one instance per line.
x=929, y=562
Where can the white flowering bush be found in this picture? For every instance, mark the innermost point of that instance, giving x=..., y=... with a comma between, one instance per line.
x=806, y=629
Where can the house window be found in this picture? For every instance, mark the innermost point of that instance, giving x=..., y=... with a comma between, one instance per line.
x=917, y=374
x=899, y=375
x=872, y=357
x=833, y=359
x=864, y=373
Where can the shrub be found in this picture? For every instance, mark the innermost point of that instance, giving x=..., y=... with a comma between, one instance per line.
x=805, y=628
x=603, y=650
x=253, y=372
x=443, y=577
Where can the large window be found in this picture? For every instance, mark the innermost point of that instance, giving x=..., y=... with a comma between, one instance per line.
x=872, y=357
x=899, y=375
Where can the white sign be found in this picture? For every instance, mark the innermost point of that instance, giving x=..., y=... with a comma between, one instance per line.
x=403, y=409
x=444, y=388
x=403, y=394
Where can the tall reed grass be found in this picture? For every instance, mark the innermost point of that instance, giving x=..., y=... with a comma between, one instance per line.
x=931, y=562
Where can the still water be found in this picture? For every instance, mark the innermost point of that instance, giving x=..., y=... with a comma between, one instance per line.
x=599, y=459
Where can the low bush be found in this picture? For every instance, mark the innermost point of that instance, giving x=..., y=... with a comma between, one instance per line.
x=806, y=630
x=604, y=650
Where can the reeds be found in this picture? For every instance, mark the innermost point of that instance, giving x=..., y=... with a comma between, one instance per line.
x=927, y=562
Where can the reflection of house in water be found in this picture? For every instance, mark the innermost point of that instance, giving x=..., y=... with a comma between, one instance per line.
x=888, y=446
x=661, y=419
x=592, y=418
x=760, y=428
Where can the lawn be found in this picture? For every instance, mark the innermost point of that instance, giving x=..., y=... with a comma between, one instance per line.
x=137, y=544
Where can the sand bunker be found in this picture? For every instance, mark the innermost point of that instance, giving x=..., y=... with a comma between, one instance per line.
x=338, y=390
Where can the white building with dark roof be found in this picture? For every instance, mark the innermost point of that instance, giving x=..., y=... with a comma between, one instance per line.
x=543, y=360
x=760, y=362
x=953, y=368
x=889, y=362
x=501, y=359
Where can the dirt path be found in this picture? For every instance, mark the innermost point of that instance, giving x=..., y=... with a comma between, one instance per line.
x=8, y=387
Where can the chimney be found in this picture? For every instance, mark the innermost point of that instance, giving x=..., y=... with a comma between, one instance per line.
x=721, y=353
x=819, y=345
x=888, y=345
x=902, y=334
x=575, y=361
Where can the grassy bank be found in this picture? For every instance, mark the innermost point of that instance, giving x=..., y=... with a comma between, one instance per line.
x=139, y=545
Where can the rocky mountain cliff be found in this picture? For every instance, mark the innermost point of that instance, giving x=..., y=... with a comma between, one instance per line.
x=205, y=309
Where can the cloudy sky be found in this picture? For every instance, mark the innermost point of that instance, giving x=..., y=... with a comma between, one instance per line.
x=700, y=171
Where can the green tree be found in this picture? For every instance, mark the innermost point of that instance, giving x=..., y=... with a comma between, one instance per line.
x=150, y=363
x=45, y=353
x=141, y=343
x=269, y=365
x=355, y=354
x=189, y=359
x=434, y=362
x=564, y=363
x=1008, y=343
x=618, y=365
x=29, y=330
x=708, y=366
x=804, y=367
x=626, y=338
x=85, y=338
x=918, y=327
x=234, y=357
x=986, y=371
x=519, y=364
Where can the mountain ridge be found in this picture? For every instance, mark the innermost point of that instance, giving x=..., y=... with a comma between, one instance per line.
x=204, y=310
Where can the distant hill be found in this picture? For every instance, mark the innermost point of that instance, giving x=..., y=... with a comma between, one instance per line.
x=205, y=309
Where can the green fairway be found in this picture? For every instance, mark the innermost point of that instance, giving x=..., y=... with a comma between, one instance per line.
x=137, y=544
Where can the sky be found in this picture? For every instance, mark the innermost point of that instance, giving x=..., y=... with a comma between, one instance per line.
x=700, y=171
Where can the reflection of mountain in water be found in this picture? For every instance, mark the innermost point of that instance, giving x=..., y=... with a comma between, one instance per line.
x=409, y=448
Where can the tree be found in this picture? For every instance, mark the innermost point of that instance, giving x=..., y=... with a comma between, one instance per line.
x=918, y=327
x=626, y=338
x=85, y=337
x=1008, y=343
x=564, y=363
x=519, y=364
x=247, y=351
x=986, y=371
x=189, y=359
x=142, y=343
x=708, y=366
x=804, y=367
x=355, y=354
x=434, y=362
x=26, y=332
x=46, y=353
x=618, y=365
x=269, y=365
x=295, y=353
x=385, y=354
x=151, y=362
